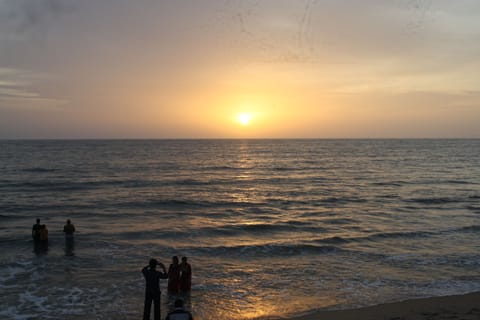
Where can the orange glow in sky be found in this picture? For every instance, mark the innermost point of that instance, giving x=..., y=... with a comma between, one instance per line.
x=240, y=69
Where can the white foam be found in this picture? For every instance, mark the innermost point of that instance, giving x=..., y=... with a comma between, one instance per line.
x=28, y=298
x=12, y=313
x=11, y=273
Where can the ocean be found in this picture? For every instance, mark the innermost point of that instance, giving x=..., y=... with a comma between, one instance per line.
x=272, y=228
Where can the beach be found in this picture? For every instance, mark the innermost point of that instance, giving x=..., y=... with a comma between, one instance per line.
x=464, y=307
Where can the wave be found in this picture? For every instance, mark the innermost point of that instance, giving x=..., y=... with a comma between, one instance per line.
x=21, y=210
x=375, y=237
x=270, y=229
x=390, y=183
x=227, y=168
x=472, y=228
x=186, y=203
x=193, y=182
x=46, y=185
x=401, y=234
x=473, y=208
x=70, y=185
x=459, y=182
x=269, y=250
x=334, y=240
x=40, y=169
x=6, y=217
x=395, y=235
x=262, y=227
x=297, y=168
x=431, y=201
x=229, y=230
x=339, y=221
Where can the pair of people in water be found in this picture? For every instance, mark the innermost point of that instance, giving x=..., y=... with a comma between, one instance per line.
x=179, y=277
x=40, y=233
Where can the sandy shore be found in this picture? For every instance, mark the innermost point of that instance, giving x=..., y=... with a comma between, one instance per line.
x=464, y=307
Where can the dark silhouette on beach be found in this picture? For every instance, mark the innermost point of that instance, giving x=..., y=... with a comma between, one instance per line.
x=174, y=276
x=185, y=276
x=152, y=288
x=179, y=313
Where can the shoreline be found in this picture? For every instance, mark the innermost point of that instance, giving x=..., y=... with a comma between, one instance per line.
x=464, y=307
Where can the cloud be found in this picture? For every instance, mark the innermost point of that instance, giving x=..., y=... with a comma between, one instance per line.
x=13, y=84
x=16, y=88
x=26, y=15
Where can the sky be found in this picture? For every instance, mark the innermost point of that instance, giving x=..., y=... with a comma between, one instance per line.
x=239, y=69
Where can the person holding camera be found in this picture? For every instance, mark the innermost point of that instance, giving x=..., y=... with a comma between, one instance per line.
x=152, y=288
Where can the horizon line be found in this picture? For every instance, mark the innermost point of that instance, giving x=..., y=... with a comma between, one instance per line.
x=282, y=138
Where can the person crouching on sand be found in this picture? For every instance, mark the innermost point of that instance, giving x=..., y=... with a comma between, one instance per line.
x=152, y=288
x=179, y=313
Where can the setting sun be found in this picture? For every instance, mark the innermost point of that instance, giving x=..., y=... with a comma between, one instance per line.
x=244, y=118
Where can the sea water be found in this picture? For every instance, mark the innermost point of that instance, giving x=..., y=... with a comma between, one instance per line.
x=272, y=228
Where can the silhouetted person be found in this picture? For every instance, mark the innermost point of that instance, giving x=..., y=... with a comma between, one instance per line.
x=36, y=231
x=174, y=276
x=41, y=244
x=69, y=229
x=179, y=313
x=185, y=276
x=152, y=288
x=43, y=234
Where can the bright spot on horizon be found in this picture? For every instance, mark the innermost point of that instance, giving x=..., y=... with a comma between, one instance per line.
x=244, y=118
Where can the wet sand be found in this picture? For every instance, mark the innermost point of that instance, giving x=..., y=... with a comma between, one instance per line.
x=464, y=307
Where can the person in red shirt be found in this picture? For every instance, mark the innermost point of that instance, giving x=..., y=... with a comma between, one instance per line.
x=185, y=276
x=174, y=276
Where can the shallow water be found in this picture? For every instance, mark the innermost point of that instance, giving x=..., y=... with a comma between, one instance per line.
x=271, y=227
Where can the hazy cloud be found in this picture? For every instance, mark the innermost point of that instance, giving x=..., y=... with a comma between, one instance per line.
x=17, y=89
x=26, y=15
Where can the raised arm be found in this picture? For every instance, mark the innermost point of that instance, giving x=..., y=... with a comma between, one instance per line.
x=163, y=267
x=144, y=269
x=165, y=274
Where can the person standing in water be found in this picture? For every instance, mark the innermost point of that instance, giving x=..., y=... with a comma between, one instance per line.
x=44, y=235
x=152, y=288
x=174, y=276
x=185, y=276
x=69, y=229
x=36, y=231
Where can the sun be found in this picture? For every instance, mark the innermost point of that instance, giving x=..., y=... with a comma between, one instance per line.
x=244, y=118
